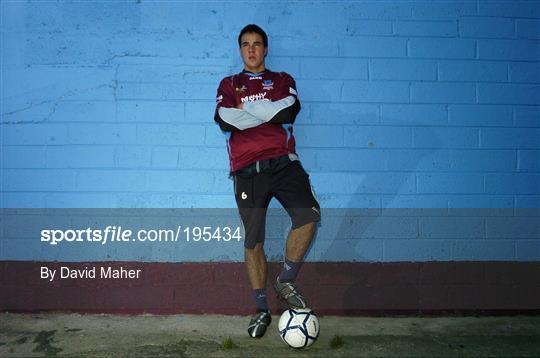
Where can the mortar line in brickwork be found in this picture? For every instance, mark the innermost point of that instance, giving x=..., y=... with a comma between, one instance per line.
x=436, y=81
x=403, y=36
x=515, y=207
x=449, y=59
x=211, y=104
x=407, y=47
x=480, y=146
x=406, y=103
x=477, y=37
x=115, y=88
x=424, y=103
x=508, y=73
x=484, y=179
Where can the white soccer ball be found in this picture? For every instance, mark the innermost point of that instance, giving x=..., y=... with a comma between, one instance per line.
x=299, y=328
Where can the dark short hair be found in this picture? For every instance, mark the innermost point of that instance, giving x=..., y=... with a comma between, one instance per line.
x=253, y=28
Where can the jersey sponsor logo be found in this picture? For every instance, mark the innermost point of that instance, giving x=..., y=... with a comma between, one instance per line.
x=241, y=89
x=255, y=97
x=268, y=85
x=292, y=91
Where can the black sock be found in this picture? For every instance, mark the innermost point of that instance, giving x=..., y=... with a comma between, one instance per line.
x=260, y=299
x=289, y=270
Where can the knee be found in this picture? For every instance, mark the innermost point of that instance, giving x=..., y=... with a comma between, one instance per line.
x=310, y=227
x=256, y=250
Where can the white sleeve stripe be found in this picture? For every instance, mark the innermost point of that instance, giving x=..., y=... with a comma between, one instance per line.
x=266, y=110
x=238, y=118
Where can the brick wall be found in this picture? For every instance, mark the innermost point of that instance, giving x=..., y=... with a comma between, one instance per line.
x=406, y=104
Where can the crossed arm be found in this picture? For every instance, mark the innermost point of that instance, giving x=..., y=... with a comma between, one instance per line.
x=251, y=114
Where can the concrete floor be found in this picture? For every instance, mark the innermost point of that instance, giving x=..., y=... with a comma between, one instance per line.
x=54, y=334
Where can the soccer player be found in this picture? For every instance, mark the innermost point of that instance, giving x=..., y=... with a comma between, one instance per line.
x=256, y=109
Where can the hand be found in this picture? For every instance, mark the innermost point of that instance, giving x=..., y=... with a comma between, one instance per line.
x=240, y=106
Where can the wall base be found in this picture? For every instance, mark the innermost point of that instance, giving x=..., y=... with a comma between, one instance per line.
x=337, y=288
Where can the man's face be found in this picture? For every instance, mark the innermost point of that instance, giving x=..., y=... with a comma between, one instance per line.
x=253, y=51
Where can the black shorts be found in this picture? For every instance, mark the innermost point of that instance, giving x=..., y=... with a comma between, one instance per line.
x=290, y=185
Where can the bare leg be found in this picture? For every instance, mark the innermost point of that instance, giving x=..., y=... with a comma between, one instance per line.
x=298, y=242
x=256, y=266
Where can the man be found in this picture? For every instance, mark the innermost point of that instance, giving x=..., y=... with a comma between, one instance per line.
x=256, y=109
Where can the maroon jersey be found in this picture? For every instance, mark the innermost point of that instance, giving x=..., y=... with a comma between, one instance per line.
x=263, y=128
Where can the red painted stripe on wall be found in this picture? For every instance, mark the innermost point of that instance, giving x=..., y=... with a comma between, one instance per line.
x=223, y=288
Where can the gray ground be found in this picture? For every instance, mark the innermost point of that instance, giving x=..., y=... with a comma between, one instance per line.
x=54, y=334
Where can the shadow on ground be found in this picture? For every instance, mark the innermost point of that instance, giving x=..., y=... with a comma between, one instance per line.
x=27, y=335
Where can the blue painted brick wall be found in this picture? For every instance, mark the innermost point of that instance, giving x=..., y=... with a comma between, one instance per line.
x=405, y=104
